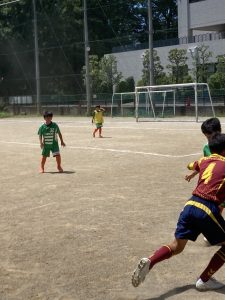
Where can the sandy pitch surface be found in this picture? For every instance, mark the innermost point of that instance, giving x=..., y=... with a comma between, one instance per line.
x=79, y=235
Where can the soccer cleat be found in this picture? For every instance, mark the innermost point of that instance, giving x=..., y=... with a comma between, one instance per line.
x=211, y=284
x=140, y=272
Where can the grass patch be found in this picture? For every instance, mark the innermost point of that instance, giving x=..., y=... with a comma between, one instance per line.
x=4, y=114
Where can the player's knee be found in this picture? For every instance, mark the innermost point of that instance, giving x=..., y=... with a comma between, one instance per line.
x=177, y=247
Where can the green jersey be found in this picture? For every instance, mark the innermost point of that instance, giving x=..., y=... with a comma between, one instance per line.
x=206, y=150
x=50, y=133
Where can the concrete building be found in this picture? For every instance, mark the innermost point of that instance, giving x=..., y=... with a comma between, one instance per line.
x=199, y=22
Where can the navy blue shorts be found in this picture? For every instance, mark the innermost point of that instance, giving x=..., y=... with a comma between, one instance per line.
x=201, y=216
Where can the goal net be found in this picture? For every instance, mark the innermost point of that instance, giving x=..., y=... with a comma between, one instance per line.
x=123, y=104
x=188, y=101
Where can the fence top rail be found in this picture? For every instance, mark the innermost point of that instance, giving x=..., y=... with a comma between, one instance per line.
x=158, y=91
x=169, y=85
x=124, y=93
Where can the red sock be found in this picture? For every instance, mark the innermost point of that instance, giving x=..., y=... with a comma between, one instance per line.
x=214, y=265
x=161, y=254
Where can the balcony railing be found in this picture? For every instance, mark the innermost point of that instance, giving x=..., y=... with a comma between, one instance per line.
x=200, y=38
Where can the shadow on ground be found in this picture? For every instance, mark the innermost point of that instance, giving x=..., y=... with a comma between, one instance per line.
x=180, y=290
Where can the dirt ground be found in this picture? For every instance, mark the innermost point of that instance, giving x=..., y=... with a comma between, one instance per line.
x=79, y=235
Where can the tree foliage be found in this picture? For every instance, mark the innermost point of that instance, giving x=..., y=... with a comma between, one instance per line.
x=178, y=67
x=157, y=68
x=217, y=80
x=104, y=74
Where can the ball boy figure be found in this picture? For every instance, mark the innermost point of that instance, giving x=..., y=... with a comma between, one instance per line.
x=201, y=214
x=48, y=137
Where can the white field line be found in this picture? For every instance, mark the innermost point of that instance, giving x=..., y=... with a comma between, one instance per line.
x=133, y=128
x=44, y=205
x=68, y=124
x=112, y=150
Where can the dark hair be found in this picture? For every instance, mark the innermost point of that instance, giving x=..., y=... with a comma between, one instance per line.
x=217, y=143
x=97, y=106
x=211, y=126
x=47, y=114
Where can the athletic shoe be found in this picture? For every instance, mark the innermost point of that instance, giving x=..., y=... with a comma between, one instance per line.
x=211, y=284
x=140, y=272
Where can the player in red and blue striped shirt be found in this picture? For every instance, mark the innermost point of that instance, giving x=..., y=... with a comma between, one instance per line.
x=201, y=214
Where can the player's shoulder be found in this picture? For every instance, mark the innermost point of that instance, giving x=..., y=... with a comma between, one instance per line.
x=214, y=158
x=54, y=124
x=42, y=126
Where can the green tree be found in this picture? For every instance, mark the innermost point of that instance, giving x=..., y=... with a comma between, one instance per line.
x=217, y=80
x=201, y=58
x=157, y=68
x=164, y=14
x=127, y=85
x=103, y=73
x=109, y=75
x=178, y=67
x=95, y=81
x=61, y=43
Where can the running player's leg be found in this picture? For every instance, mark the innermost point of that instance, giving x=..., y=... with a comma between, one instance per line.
x=165, y=252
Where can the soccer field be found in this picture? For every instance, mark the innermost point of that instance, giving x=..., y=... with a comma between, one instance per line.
x=78, y=235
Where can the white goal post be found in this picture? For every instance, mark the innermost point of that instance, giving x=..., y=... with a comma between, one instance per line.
x=178, y=99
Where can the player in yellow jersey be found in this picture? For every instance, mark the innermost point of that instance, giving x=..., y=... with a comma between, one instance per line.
x=98, y=119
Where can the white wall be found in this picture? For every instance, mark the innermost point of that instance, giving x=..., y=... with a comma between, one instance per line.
x=207, y=13
x=130, y=63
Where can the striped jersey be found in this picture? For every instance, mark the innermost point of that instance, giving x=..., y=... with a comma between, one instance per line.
x=49, y=133
x=211, y=182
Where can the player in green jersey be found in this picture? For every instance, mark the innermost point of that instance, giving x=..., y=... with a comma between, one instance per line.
x=48, y=137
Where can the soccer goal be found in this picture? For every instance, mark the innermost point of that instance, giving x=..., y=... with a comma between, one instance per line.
x=187, y=101
x=123, y=104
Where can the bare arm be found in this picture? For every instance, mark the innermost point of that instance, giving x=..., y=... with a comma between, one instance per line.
x=41, y=141
x=192, y=175
x=61, y=139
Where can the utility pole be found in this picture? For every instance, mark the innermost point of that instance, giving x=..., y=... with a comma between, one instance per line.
x=87, y=67
x=36, y=50
x=150, y=40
